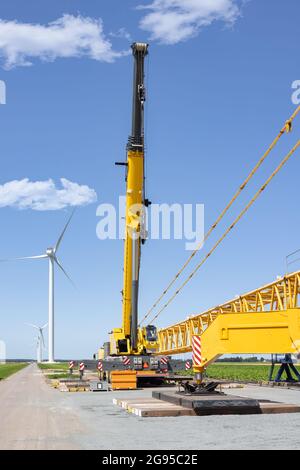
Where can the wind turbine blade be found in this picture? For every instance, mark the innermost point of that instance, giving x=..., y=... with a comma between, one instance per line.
x=63, y=232
x=42, y=336
x=23, y=258
x=44, y=326
x=33, y=326
x=64, y=271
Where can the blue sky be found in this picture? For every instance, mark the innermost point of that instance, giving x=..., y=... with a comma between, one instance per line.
x=219, y=89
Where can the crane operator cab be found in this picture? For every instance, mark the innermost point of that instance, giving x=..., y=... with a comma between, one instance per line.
x=151, y=333
x=149, y=339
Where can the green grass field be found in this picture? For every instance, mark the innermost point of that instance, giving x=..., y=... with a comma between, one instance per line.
x=239, y=372
x=10, y=368
x=55, y=366
x=58, y=370
x=63, y=376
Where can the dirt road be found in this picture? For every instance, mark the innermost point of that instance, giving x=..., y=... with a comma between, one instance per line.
x=34, y=416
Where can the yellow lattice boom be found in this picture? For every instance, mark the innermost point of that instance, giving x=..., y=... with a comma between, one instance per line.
x=265, y=320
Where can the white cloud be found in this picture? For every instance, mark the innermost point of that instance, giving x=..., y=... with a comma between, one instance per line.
x=172, y=21
x=44, y=195
x=68, y=36
x=122, y=33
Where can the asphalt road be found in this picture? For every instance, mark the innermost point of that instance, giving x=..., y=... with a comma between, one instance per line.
x=35, y=416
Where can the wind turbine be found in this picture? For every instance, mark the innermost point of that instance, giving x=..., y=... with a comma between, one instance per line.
x=40, y=341
x=51, y=254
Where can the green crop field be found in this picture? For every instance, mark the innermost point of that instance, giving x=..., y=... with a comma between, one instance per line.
x=239, y=372
x=10, y=368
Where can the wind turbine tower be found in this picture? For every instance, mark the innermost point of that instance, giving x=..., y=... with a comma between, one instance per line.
x=40, y=342
x=51, y=255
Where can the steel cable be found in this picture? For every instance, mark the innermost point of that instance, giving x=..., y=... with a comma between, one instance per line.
x=235, y=222
x=286, y=128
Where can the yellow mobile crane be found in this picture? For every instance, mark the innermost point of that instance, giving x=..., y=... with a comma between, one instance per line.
x=129, y=339
x=133, y=347
x=264, y=321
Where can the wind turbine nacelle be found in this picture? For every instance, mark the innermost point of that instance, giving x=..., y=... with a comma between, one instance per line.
x=50, y=251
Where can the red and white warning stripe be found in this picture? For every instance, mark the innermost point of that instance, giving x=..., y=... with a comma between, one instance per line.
x=81, y=366
x=164, y=361
x=126, y=361
x=100, y=366
x=196, y=346
x=188, y=365
x=71, y=364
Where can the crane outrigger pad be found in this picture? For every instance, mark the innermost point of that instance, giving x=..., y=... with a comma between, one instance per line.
x=214, y=403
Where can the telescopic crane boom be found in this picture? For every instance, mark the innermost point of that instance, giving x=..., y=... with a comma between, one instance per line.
x=130, y=339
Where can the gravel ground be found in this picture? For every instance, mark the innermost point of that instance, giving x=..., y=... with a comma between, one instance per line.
x=34, y=416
